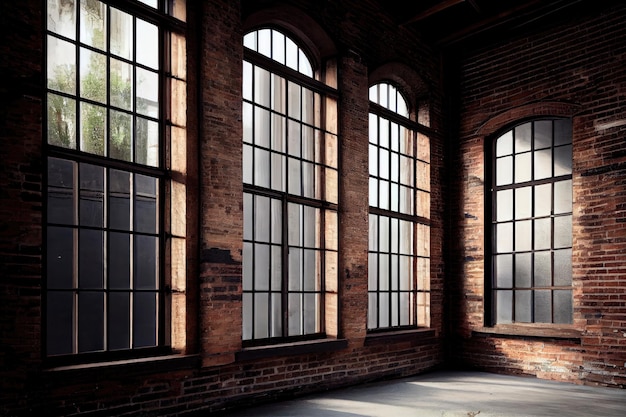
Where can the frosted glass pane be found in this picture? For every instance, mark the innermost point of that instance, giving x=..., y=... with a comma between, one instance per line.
x=119, y=260
x=563, y=197
x=542, y=269
x=294, y=311
x=93, y=128
x=543, y=134
x=276, y=220
x=372, y=272
x=148, y=41
x=247, y=77
x=261, y=167
x=383, y=164
x=504, y=307
x=543, y=234
x=522, y=270
x=383, y=310
x=543, y=200
x=504, y=237
x=504, y=271
x=543, y=306
x=384, y=234
x=91, y=259
x=145, y=262
x=276, y=268
x=248, y=271
x=523, y=306
x=563, y=308
x=262, y=219
x=522, y=137
x=311, y=306
x=563, y=267
x=373, y=232
x=61, y=63
x=247, y=316
x=295, y=269
x=261, y=267
x=563, y=160
x=62, y=17
x=523, y=236
x=121, y=34
x=504, y=170
x=563, y=231
x=523, y=202
x=120, y=84
x=294, y=176
x=261, y=127
x=504, y=205
x=522, y=168
x=383, y=272
x=61, y=121
x=504, y=144
x=543, y=164
x=294, y=100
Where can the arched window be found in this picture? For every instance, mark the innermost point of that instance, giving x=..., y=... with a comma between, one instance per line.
x=290, y=190
x=399, y=227
x=531, y=223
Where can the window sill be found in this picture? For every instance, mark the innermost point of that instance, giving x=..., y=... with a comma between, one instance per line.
x=422, y=335
x=527, y=330
x=136, y=366
x=290, y=349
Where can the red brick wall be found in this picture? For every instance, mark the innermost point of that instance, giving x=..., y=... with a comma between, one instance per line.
x=212, y=372
x=572, y=66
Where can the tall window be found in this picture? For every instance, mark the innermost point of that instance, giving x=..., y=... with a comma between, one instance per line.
x=399, y=227
x=531, y=215
x=290, y=190
x=106, y=173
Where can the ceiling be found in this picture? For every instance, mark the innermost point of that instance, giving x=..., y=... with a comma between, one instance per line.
x=446, y=22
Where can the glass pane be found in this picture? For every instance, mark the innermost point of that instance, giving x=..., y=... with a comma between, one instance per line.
x=91, y=259
x=276, y=269
x=276, y=220
x=147, y=142
x=294, y=100
x=121, y=84
x=119, y=199
x=90, y=321
x=563, y=308
x=93, y=80
x=93, y=23
x=504, y=307
x=59, y=322
x=144, y=319
x=311, y=270
x=563, y=232
x=504, y=205
x=119, y=321
x=60, y=253
x=261, y=127
x=295, y=269
x=522, y=270
x=61, y=63
x=543, y=306
x=543, y=200
x=60, y=203
x=504, y=237
x=262, y=168
x=563, y=197
x=247, y=316
x=61, y=121
x=522, y=167
x=543, y=233
x=93, y=128
x=562, y=132
x=247, y=78
x=294, y=312
x=145, y=262
x=523, y=306
x=261, y=316
x=91, y=207
x=147, y=100
x=504, y=144
x=383, y=310
x=119, y=260
x=543, y=134
x=248, y=271
x=278, y=133
x=563, y=267
x=261, y=267
x=504, y=271
x=121, y=34
x=146, y=200
x=311, y=307
x=148, y=41
x=523, y=235
x=542, y=269
x=372, y=272
x=504, y=170
x=523, y=202
x=120, y=140
x=62, y=17
x=563, y=160
x=248, y=222
x=522, y=138
x=294, y=173
x=543, y=164
x=372, y=310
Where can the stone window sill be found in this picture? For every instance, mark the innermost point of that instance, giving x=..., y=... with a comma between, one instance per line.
x=528, y=330
x=379, y=338
x=290, y=349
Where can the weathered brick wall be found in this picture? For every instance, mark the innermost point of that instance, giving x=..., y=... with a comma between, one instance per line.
x=210, y=374
x=572, y=66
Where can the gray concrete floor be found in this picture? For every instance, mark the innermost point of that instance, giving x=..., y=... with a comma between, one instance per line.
x=452, y=394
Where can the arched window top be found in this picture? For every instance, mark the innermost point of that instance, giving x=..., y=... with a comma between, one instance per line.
x=280, y=48
x=390, y=98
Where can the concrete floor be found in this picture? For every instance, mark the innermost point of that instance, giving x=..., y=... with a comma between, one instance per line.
x=452, y=394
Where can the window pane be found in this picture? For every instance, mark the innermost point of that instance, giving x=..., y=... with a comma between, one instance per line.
x=247, y=316
x=146, y=200
x=61, y=121
x=504, y=271
x=91, y=195
x=504, y=170
x=543, y=134
x=93, y=23
x=523, y=235
x=59, y=322
x=563, y=160
x=119, y=260
x=563, y=267
x=504, y=235
x=295, y=269
x=543, y=200
x=563, y=308
x=120, y=135
x=60, y=250
x=522, y=138
x=261, y=316
x=504, y=304
x=522, y=167
x=93, y=80
x=543, y=233
x=144, y=319
x=523, y=202
x=543, y=164
x=145, y=262
x=121, y=34
x=147, y=100
x=61, y=63
x=261, y=267
x=543, y=306
x=121, y=78
x=60, y=203
x=562, y=132
x=93, y=128
x=119, y=320
x=563, y=231
x=523, y=306
x=542, y=269
x=504, y=205
x=311, y=313
x=522, y=270
x=563, y=197
x=147, y=142
x=119, y=199
x=91, y=259
x=90, y=321
x=148, y=41
x=62, y=18
x=248, y=271
x=504, y=144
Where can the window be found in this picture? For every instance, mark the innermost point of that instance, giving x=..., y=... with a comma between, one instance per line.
x=106, y=173
x=399, y=228
x=290, y=191
x=531, y=231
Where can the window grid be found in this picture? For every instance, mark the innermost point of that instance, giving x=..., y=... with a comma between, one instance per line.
x=532, y=223
x=399, y=242
x=288, y=201
x=105, y=177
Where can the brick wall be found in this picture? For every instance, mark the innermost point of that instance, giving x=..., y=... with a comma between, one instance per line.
x=574, y=67
x=212, y=371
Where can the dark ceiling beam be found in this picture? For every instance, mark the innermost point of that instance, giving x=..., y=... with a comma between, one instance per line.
x=441, y=6
x=475, y=5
